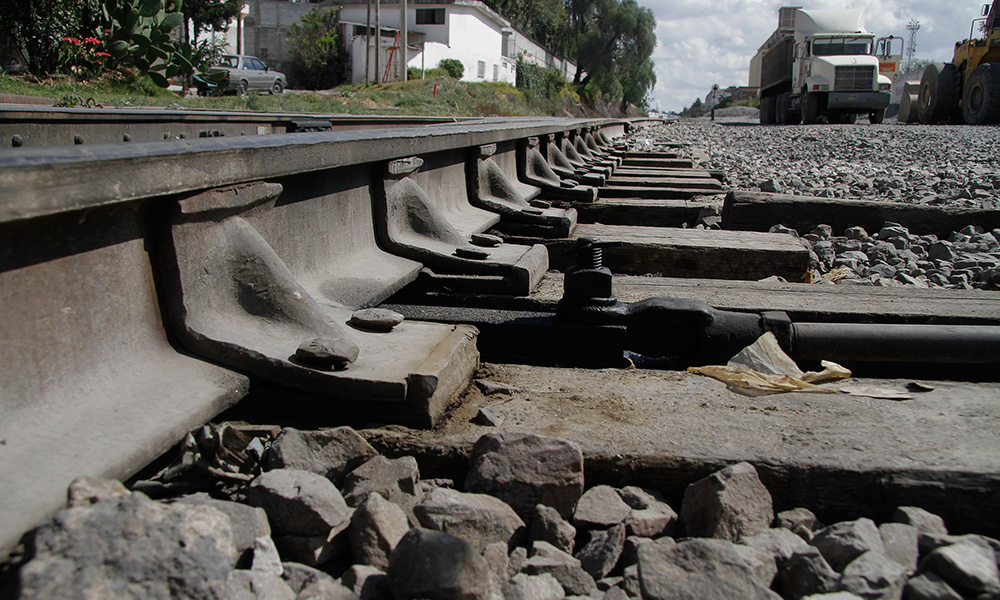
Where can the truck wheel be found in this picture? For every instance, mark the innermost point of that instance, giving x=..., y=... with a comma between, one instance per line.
x=849, y=118
x=876, y=116
x=810, y=111
x=981, y=100
x=767, y=110
x=939, y=94
x=783, y=113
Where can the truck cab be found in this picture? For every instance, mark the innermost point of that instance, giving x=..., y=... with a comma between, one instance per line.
x=821, y=63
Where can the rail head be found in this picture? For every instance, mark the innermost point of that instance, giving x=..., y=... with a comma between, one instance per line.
x=35, y=182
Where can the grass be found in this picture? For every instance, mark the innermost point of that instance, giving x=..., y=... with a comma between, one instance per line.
x=434, y=96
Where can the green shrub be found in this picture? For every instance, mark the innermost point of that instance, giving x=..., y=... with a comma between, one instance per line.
x=413, y=73
x=453, y=67
x=538, y=81
x=318, y=57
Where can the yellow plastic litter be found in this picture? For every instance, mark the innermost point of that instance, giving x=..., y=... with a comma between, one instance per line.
x=835, y=275
x=763, y=368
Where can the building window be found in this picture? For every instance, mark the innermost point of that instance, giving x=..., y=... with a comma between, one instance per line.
x=496, y=72
x=430, y=16
x=507, y=45
x=481, y=71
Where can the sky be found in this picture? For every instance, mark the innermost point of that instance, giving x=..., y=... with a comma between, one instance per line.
x=701, y=42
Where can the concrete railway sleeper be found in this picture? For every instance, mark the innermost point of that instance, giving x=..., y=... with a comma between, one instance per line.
x=151, y=286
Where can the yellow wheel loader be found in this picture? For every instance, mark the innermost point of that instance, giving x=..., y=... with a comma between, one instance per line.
x=968, y=88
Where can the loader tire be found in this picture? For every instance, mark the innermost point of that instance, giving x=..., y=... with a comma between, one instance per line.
x=981, y=100
x=939, y=94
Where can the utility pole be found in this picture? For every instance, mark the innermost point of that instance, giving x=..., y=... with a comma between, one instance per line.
x=911, y=43
x=368, y=44
x=378, y=39
x=402, y=40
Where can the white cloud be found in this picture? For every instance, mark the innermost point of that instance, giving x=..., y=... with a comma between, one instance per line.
x=703, y=43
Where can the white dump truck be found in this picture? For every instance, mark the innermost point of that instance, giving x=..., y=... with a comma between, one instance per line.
x=822, y=63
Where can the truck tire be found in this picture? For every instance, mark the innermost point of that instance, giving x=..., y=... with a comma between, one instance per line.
x=767, y=110
x=981, y=100
x=939, y=94
x=781, y=111
x=876, y=116
x=810, y=110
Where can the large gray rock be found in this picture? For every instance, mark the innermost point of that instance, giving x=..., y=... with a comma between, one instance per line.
x=600, y=507
x=778, y=543
x=651, y=515
x=762, y=564
x=630, y=581
x=477, y=518
x=800, y=521
x=547, y=550
x=842, y=542
x=394, y=479
x=312, y=550
x=497, y=565
x=131, y=547
x=367, y=582
x=806, y=572
x=728, y=504
x=548, y=526
x=376, y=527
x=248, y=522
x=900, y=542
x=533, y=587
x=524, y=469
x=570, y=575
x=325, y=590
x=255, y=585
x=332, y=453
x=436, y=566
x=601, y=553
x=299, y=576
x=84, y=491
x=967, y=567
x=928, y=586
x=874, y=576
x=700, y=569
x=924, y=521
x=299, y=503
x=265, y=556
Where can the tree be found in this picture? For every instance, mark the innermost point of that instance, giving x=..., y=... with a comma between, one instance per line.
x=613, y=41
x=543, y=20
x=211, y=14
x=318, y=56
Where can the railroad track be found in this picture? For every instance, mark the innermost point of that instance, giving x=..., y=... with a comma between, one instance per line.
x=149, y=286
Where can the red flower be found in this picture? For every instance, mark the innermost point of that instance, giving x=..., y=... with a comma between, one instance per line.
x=71, y=40
x=91, y=40
x=101, y=54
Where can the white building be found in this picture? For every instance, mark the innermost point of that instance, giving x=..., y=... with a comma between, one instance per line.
x=465, y=30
